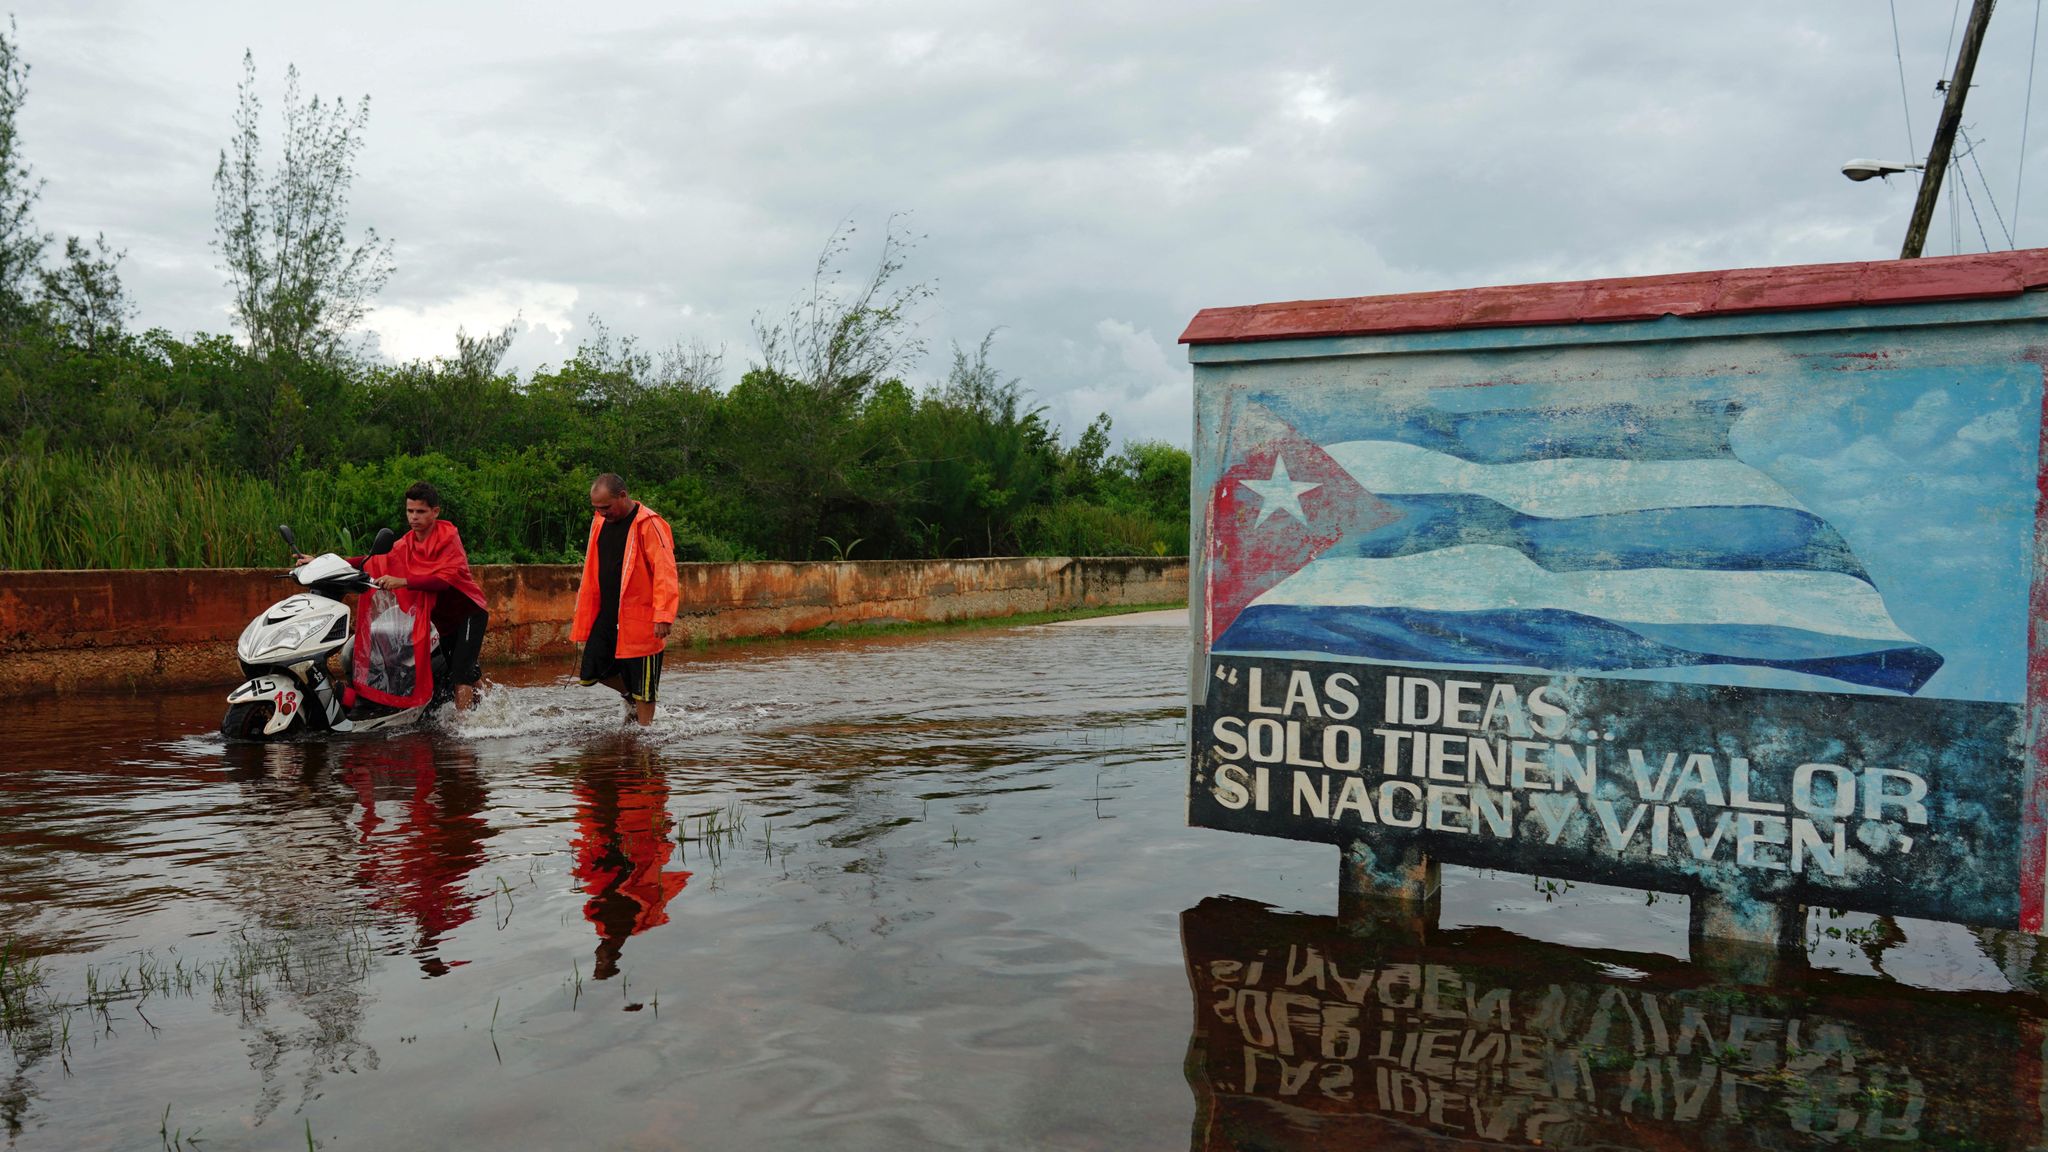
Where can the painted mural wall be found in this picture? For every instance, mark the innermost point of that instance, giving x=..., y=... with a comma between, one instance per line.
x=1738, y=604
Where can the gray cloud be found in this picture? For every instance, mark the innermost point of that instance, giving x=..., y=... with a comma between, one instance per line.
x=1085, y=176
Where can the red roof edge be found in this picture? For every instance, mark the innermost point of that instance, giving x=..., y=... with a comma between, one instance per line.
x=1797, y=287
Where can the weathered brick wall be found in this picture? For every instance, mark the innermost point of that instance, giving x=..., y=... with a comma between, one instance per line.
x=85, y=630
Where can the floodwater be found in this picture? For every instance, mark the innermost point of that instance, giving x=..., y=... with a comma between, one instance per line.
x=928, y=891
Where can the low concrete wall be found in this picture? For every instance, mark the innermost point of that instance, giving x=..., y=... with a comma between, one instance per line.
x=85, y=630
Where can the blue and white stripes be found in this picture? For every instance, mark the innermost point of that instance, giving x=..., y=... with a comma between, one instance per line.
x=1609, y=538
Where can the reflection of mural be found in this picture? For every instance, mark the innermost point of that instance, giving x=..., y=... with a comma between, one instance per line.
x=421, y=831
x=623, y=843
x=1308, y=1035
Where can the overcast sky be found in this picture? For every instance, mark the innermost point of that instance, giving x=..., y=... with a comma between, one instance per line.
x=1085, y=176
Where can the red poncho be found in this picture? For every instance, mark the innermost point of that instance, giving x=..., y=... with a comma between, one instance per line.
x=394, y=628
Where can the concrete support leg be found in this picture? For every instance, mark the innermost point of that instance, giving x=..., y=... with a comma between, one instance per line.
x=1747, y=941
x=1397, y=890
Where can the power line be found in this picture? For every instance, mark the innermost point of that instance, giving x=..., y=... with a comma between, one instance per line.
x=1899, y=54
x=1953, y=12
x=1955, y=209
x=1957, y=164
x=1970, y=150
x=2026, y=113
x=1955, y=222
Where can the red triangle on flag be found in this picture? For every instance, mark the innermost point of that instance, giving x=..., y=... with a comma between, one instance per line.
x=1282, y=503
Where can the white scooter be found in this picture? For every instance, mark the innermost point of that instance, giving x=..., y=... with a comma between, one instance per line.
x=284, y=651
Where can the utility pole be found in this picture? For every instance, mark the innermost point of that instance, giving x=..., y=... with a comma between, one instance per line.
x=1945, y=131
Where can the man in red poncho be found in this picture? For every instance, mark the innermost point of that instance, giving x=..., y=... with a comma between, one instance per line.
x=430, y=559
x=427, y=573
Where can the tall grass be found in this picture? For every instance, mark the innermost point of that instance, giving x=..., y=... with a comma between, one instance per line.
x=69, y=509
x=72, y=510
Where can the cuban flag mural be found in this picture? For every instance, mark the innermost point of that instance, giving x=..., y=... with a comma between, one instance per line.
x=1612, y=538
x=1678, y=583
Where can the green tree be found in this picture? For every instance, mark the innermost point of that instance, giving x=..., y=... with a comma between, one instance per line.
x=1081, y=466
x=835, y=337
x=151, y=401
x=978, y=459
x=642, y=415
x=791, y=457
x=790, y=445
x=459, y=405
x=21, y=245
x=83, y=295
x=1153, y=478
x=300, y=284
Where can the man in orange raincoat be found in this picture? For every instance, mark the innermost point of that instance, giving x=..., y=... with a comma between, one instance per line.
x=627, y=601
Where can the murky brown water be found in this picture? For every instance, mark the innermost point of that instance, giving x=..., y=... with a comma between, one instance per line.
x=899, y=893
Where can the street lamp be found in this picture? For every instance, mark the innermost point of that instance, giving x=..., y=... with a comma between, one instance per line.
x=1861, y=170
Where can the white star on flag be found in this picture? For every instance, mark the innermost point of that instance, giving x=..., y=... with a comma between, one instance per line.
x=1279, y=493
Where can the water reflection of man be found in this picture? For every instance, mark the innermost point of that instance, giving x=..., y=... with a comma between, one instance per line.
x=623, y=841
x=415, y=861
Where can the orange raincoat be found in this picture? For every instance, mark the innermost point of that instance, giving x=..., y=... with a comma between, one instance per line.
x=648, y=593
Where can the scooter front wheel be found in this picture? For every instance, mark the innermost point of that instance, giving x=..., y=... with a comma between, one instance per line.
x=246, y=720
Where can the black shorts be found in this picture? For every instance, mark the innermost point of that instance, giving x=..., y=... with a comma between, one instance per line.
x=641, y=675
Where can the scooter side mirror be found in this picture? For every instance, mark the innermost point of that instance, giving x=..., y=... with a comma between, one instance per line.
x=385, y=539
x=291, y=541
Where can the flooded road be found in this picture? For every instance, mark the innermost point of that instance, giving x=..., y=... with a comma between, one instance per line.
x=905, y=892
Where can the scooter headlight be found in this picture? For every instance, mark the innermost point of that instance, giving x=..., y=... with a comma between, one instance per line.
x=288, y=636
x=246, y=646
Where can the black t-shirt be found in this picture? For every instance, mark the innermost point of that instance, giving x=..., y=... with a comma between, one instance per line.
x=611, y=561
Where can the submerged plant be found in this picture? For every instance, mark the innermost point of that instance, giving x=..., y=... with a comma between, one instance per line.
x=21, y=984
